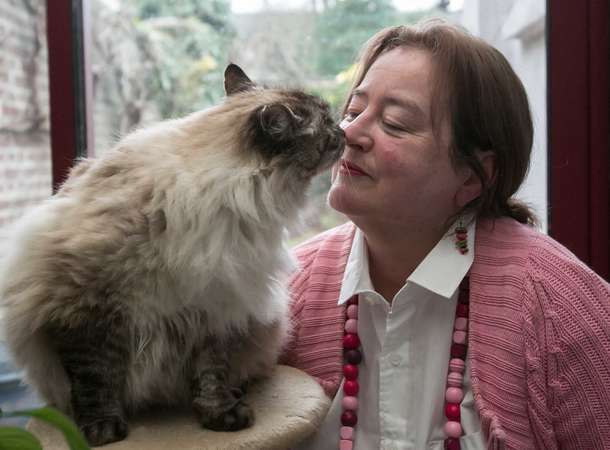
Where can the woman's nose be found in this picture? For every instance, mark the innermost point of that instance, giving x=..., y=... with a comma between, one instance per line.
x=357, y=133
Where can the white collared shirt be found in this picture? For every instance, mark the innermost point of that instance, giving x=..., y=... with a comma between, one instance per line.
x=405, y=347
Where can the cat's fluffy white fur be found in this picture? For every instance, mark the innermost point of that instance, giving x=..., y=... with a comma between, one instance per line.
x=214, y=212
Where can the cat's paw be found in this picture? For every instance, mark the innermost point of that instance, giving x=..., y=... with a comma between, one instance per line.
x=239, y=416
x=104, y=431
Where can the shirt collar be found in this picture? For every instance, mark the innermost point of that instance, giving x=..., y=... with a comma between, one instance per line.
x=356, y=278
x=441, y=271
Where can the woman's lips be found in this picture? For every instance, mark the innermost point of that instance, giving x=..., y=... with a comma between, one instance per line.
x=351, y=169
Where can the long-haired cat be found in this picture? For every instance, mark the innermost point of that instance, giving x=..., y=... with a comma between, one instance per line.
x=154, y=276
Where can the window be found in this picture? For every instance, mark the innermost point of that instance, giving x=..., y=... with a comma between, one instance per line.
x=25, y=150
x=153, y=59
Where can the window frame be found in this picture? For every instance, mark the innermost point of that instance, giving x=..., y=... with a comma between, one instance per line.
x=577, y=89
x=69, y=84
x=578, y=162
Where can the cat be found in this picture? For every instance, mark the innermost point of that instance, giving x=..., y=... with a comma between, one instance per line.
x=155, y=275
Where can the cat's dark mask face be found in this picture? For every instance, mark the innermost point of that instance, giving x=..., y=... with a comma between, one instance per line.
x=296, y=131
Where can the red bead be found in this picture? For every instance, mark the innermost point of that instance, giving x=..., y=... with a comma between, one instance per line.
x=464, y=297
x=350, y=387
x=353, y=356
x=452, y=411
x=452, y=444
x=351, y=341
x=461, y=236
x=350, y=371
x=349, y=418
x=462, y=310
x=458, y=351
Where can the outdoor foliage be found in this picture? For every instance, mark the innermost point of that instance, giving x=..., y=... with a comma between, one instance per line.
x=156, y=59
x=344, y=26
x=188, y=39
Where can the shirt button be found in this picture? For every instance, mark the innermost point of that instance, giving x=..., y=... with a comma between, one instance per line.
x=395, y=359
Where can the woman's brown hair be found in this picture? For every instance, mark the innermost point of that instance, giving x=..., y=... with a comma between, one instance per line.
x=486, y=104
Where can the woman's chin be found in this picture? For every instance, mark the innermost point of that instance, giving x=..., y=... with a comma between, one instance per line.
x=342, y=200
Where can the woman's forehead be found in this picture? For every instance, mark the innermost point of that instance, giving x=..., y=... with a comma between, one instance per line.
x=401, y=76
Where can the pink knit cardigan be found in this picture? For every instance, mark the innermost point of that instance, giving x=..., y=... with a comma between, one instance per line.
x=539, y=341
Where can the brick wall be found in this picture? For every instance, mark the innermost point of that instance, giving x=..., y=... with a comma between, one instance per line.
x=25, y=166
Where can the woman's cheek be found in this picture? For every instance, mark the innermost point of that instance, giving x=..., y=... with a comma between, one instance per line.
x=394, y=161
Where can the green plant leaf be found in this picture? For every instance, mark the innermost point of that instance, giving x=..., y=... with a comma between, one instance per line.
x=14, y=438
x=74, y=438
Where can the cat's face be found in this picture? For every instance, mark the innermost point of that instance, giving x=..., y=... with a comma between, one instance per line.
x=291, y=130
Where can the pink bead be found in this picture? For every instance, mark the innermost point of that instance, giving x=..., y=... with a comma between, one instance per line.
x=459, y=337
x=454, y=379
x=344, y=444
x=352, y=312
x=461, y=323
x=351, y=326
x=457, y=365
x=350, y=402
x=454, y=395
x=347, y=433
x=453, y=429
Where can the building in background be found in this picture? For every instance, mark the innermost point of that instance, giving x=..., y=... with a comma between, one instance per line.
x=25, y=150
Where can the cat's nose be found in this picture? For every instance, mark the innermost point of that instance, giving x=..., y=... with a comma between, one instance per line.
x=337, y=140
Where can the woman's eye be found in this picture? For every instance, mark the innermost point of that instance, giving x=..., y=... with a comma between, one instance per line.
x=394, y=126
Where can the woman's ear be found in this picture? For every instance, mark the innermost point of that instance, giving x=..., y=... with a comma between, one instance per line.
x=471, y=187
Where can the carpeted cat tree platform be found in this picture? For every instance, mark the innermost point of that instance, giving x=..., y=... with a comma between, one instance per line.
x=288, y=407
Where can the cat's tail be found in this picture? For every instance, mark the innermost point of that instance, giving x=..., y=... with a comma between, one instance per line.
x=24, y=309
x=42, y=367
x=23, y=317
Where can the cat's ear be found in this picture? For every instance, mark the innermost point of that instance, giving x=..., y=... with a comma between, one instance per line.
x=278, y=121
x=236, y=80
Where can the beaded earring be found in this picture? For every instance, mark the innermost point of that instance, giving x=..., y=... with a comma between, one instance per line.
x=461, y=238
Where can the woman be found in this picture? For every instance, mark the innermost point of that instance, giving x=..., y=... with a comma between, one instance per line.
x=438, y=317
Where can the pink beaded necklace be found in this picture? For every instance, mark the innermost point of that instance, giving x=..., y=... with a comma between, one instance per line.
x=453, y=394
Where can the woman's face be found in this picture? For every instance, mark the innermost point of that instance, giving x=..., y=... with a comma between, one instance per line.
x=394, y=169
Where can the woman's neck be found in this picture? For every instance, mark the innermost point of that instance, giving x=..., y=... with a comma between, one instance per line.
x=394, y=255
